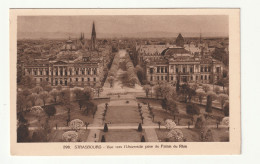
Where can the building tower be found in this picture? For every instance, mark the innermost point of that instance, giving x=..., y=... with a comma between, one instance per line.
x=93, y=37
x=179, y=41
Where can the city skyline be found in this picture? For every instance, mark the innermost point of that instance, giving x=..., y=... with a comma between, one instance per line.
x=118, y=26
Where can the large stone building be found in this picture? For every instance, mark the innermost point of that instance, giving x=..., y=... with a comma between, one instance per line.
x=167, y=64
x=77, y=64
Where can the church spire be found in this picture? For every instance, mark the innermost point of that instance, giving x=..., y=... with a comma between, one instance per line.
x=93, y=37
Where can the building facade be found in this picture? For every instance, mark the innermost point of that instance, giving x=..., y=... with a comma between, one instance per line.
x=178, y=62
x=85, y=69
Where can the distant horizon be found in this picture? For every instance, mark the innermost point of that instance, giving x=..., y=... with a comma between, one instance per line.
x=141, y=26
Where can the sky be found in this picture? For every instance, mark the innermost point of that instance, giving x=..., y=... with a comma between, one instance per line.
x=125, y=25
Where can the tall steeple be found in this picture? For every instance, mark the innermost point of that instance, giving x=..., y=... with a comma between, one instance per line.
x=93, y=37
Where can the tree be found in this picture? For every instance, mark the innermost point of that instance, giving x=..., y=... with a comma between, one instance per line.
x=26, y=92
x=111, y=79
x=200, y=95
x=216, y=89
x=43, y=84
x=44, y=96
x=222, y=98
x=64, y=96
x=200, y=122
x=23, y=133
x=209, y=104
x=226, y=109
x=142, y=139
x=103, y=139
x=54, y=94
x=59, y=87
x=105, y=128
x=50, y=110
x=172, y=106
x=187, y=92
x=99, y=89
x=223, y=81
x=140, y=73
x=48, y=88
x=90, y=107
x=37, y=89
x=192, y=109
x=140, y=128
x=147, y=89
x=195, y=86
x=39, y=136
x=87, y=94
x=21, y=102
x=178, y=84
x=28, y=81
x=205, y=88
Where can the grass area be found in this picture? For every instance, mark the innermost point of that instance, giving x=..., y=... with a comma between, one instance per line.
x=122, y=136
x=121, y=114
x=192, y=135
x=182, y=118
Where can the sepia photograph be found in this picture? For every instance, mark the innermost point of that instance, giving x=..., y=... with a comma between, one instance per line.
x=124, y=78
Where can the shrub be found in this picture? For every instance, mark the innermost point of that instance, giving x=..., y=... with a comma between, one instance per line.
x=140, y=128
x=103, y=139
x=200, y=122
x=192, y=109
x=142, y=139
x=105, y=128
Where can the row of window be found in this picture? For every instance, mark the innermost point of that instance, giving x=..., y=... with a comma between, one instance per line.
x=70, y=79
x=61, y=73
x=202, y=77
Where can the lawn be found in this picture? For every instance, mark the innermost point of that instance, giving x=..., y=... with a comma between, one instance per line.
x=123, y=115
x=192, y=135
x=182, y=118
x=122, y=135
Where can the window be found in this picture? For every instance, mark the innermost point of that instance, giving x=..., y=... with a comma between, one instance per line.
x=158, y=69
x=161, y=77
x=77, y=72
x=218, y=69
x=56, y=81
x=162, y=70
x=83, y=72
x=158, y=78
x=201, y=69
x=94, y=72
x=40, y=72
x=205, y=69
x=88, y=79
x=70, y=72
x=66, y=73
x=70, y=80
x=77, y=79
x=201, y=77
x=60, y=82
x=166, y=71
x=205, y=77
x=88, y=72
x=56, y=73
x=166, y=77
x=47, y=72
x=191, y=70
x=172, y=78
x=151, y=70
x=40, y=79
x=82, y=79
x=35, y=72
x=151, y=78
x=177, y=70
x=209, y=69
x=209, y=77
x=47, y=79
x=183, y=70
x=94, y=79
x=61, y=73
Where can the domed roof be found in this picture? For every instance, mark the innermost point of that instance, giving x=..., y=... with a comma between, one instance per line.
x=174, y=50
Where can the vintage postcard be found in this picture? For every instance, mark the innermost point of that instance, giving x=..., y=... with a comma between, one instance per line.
x=125, y=81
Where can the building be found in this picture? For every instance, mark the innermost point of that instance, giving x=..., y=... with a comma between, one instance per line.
x=75, y=65
x=177, y=62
